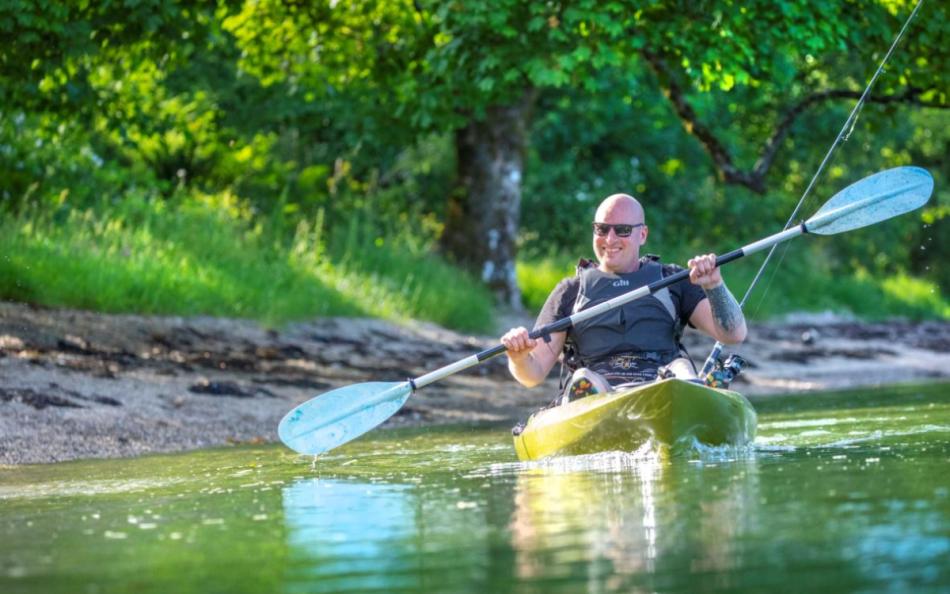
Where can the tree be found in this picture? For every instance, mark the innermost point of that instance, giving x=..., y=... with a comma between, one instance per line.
x=478, y=67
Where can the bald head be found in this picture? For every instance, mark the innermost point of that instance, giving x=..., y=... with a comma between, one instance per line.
x=620, y=208
x=619, y=254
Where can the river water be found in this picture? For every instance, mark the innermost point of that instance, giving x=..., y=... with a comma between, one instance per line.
x=841, y=493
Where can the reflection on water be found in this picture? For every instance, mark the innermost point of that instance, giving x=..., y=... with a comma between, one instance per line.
x=838, y=495
x=349, y=535
x=628, y=527
x=567, y=517
x=589, y=509
x=611, y=520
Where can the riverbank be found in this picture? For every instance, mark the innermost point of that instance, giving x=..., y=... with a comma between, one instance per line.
x=76, y=384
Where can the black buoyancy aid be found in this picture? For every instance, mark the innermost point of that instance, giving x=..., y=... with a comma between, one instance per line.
x=649, y=325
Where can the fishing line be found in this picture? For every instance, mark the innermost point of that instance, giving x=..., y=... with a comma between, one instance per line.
x=843, y=135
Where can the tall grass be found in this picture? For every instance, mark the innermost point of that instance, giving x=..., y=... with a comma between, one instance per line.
x=537, y=277
x=210, y=256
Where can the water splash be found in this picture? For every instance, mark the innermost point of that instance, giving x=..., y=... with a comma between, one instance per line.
x=695, y=451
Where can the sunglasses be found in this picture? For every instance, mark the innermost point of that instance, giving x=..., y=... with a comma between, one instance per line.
x=603, y=229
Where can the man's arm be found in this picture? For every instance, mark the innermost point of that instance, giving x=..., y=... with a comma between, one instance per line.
x=719, y=315
x=530, y=360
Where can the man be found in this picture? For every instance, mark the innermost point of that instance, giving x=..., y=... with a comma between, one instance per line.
x=630, y=343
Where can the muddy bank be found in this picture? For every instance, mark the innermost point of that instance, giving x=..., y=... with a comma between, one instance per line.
x=76, y=384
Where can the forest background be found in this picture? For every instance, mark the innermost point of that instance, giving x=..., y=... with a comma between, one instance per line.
x=282, y=160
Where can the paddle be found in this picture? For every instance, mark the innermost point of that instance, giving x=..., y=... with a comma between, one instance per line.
x=334, y=418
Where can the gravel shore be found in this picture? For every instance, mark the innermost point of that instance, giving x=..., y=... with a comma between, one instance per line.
x=76, y=384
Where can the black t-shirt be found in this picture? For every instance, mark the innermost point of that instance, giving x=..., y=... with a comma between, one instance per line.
x=560, y=302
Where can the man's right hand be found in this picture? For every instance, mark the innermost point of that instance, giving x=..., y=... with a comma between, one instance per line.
x=529, y=359
x=519, y=343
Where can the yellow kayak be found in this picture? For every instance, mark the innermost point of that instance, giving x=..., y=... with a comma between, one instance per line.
x=666, y=411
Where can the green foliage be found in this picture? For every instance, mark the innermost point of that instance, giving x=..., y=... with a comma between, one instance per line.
x=49, y=49
x=537, y=277
x=806, y=282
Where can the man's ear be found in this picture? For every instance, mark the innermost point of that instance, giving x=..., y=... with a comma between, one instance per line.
x=644, y=231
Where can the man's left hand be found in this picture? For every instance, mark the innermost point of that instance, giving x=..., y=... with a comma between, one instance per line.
x=704, y=272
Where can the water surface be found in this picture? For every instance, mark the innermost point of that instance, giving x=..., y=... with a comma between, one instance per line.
x=841, y=493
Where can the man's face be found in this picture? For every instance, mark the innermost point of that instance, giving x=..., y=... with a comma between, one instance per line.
x=618, y=254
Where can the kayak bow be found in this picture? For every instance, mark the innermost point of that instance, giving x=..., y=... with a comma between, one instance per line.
x=665, y=411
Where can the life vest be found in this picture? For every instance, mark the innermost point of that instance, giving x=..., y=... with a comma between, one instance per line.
x=629, y=342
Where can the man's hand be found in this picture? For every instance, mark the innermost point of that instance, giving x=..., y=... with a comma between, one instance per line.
x=518, y=343
x=704, y=272
x=530, y=360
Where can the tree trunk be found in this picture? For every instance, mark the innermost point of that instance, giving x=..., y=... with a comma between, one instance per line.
x=482, y=218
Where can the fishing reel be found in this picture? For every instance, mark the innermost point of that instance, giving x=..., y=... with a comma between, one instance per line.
x=725, y=371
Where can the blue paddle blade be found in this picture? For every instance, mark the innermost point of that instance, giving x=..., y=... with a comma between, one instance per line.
x=336, y=417
x=873, y=199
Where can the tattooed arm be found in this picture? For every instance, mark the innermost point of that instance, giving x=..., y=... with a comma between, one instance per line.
x=719, y=315
x=726, y=314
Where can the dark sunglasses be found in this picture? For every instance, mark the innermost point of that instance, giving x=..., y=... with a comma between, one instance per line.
x=603, y=229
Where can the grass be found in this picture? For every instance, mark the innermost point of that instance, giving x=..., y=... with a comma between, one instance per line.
x=800, y=283
x=537, y=277
x=210, y=258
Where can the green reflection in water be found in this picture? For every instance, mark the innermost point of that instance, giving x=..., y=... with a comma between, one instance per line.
x=842, y=493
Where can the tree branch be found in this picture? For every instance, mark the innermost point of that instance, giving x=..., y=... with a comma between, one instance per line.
x=911, y=96
x=722, y=160
x=720, y=155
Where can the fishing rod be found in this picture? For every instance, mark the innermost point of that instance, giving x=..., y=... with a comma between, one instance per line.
x=843, y=135
x=336, y=417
